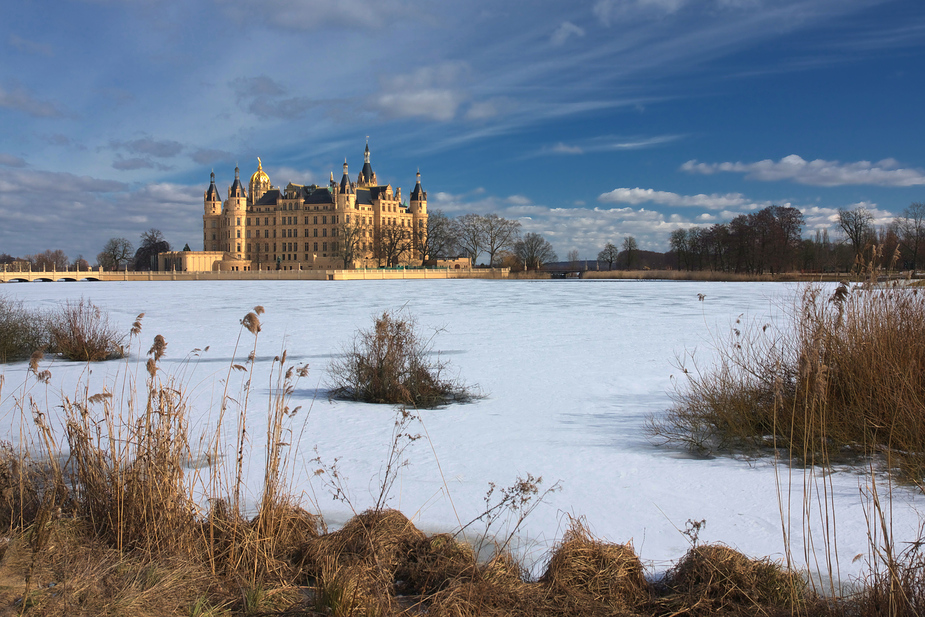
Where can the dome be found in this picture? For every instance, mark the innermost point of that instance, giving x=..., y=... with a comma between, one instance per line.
x=260, y=176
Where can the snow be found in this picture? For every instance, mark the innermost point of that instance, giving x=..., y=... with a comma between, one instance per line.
x=571, y=371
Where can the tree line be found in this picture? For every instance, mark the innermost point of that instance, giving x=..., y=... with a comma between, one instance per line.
x=117, y=254
x=476, y=236
x=771, y=241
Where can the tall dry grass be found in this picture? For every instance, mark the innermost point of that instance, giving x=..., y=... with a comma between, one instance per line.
x=22, y=331
x=845, y=376
x=393, y=362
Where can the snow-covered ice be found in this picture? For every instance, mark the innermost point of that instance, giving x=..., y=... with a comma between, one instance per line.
x=571, y=370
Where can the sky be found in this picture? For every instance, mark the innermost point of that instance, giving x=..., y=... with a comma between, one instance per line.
x=587, y=121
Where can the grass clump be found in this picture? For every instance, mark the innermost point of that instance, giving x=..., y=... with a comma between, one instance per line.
x=393, y=363
x=608, y=574
x=22, y=331
x=81, y=331
x=845, y=376
x=715, y=579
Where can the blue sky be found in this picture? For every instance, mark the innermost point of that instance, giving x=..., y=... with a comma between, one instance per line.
x=585, y=120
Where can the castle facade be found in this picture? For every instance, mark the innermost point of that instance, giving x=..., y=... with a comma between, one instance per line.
x=339, y=226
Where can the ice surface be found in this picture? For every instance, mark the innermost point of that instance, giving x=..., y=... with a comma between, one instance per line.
x=571, y=370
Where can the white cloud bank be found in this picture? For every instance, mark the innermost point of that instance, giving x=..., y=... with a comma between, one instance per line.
x=819, y=172
x=637, y=196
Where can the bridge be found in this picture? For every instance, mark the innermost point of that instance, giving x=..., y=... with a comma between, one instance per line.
x=257, y=275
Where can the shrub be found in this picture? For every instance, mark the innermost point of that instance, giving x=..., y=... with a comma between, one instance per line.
x=846, y=376
x=392, y=363
x=81, y=331
x=22, y=331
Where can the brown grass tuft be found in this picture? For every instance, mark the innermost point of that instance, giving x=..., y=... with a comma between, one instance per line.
x=81, y=331
x=714, y=578
x=392, y=363
x=611, y=574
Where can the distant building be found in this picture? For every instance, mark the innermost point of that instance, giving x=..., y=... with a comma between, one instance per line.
x=341, y=225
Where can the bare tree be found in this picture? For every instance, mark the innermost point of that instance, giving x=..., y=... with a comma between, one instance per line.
x=500, y=233
x=629, y=249
x=858, y=227
x=116, y=254
x=391, y=244
x=352, y=237
x=533, y=251
x=152, y=243
x=910, y=225
x=471, y=235
x=50, y=260
x=609, y=255
x=572, y=259
x=80, y=264
x=438, y=239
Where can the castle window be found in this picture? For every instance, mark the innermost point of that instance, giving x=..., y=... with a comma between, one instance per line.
x=348, y=219
x=274, y=233
x=324, y=247
x=239, y=248
x=334, y=232
x=324, y=220
x=306, y=220
x=266, y=233
x=316, y=219
x=247, y=221
x=248, y=233
x=239, y=221
x=213, y=236
x=334, y=246
x=324, y=233
x=315, y=233
x=306, y=249
x=265, y=219
x=239, y=235
x=213, y=224
x=266, y=246
x=316, y=246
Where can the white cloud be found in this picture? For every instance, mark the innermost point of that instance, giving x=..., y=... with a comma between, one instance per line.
x=606, y=144
x=637, y=196
x=432, y=92
x=819, y=172
x=565, y=31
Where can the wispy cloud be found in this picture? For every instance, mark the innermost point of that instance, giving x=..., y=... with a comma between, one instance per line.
x=266, y=98
x=318, y=14
x=606, y=144
x=20, y=99
x=8, y=160
x=30, y=47
x=565, y=31
x=819, y=172
x=433, y=92
x=151, y=147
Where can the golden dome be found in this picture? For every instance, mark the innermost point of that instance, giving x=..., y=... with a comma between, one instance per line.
x=260, y=177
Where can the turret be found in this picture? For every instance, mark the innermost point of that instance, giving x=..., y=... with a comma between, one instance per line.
x=213, y=201
x=345, y=186
x=367, y=176
x=418, y=198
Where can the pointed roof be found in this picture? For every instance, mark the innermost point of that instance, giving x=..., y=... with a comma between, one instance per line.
x=367, y=172
x=212, y=192
x=418, y=193
x=237, y=189
x=345, y=186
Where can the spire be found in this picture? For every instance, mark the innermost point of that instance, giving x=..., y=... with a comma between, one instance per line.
x=366, y=176
x=345, y=186
x=212, y=192
x=237, y=189
x=418, y=193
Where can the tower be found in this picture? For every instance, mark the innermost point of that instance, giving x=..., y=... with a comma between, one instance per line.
x=212, y=203
x=259, y=184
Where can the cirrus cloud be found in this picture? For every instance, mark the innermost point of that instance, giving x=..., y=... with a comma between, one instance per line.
x=819, y=172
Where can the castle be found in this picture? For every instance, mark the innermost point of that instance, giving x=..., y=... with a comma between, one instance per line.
x=340, y=226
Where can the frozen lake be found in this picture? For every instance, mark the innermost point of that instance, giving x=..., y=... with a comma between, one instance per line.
x=571, y=370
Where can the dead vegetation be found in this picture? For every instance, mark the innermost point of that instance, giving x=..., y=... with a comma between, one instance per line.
x=394, y=363
x=115, y=528
x=75, y=331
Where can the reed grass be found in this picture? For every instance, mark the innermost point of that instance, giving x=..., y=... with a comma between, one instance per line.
x=393, y=363
x=117, y=527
